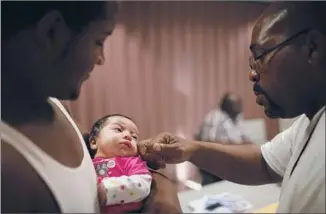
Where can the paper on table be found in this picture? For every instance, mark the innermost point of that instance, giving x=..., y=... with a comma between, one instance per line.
x=221, y=203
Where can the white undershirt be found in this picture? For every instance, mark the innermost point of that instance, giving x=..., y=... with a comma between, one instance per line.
x=74, y=189
x=304, y=190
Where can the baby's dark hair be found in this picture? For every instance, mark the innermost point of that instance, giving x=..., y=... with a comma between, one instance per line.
x=96, y=129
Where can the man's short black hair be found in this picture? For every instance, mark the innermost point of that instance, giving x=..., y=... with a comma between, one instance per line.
x=17, y=15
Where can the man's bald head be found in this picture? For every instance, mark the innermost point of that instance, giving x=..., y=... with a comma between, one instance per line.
x=286, y=18
x=288, y=62
x=231, y=104
x=295, y=16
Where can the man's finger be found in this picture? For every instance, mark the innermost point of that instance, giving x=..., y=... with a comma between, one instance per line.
x=163, y=138
x=157, y=147
x=141, y=149
x=101, y=194
x=165, y=149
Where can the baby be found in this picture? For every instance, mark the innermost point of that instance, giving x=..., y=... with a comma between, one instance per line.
x=125, y=177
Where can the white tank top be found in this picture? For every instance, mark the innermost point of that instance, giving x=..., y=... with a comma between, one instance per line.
x=74, y=189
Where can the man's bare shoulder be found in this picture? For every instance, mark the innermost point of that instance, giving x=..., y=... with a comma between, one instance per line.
x=16, y=181
x=21, y=186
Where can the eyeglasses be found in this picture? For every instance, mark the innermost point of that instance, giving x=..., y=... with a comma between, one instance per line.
x=253, y=61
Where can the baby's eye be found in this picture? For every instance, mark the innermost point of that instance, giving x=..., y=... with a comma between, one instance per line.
x=118, y=129
x=135, y=137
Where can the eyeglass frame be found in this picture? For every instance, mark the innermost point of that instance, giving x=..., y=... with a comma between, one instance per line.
x=253, y=59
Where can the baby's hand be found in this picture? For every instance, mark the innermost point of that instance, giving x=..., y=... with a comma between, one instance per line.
x=101, y=193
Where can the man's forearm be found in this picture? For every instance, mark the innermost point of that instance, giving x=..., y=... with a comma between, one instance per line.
x=237, y=163
x=163, y=197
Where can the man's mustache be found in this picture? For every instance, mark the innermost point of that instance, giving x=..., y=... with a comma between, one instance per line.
x=259, y=90
x=256, y=88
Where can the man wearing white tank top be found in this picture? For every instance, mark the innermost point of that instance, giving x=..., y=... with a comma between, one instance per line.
x=48, y=50
x=288, y=71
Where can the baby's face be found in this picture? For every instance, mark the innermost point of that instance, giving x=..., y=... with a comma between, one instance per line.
x=118, y=138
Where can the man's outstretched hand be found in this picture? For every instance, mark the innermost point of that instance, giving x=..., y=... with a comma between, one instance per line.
x=165, y=148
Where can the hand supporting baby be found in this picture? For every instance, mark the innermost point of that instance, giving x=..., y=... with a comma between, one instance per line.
x=101, y=194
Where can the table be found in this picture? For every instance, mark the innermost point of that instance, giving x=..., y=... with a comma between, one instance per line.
x=259, y=196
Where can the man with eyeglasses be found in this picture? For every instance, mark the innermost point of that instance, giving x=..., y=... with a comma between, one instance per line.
x=288, y=71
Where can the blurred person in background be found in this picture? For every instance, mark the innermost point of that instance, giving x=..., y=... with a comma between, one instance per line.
x=223, y=125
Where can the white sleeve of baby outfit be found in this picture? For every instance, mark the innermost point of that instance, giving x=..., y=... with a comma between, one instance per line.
x=127, y=189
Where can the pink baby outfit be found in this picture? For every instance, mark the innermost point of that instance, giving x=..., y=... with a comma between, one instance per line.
x=127, y=181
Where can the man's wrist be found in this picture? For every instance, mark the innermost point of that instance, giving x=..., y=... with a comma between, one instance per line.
x=194, y=150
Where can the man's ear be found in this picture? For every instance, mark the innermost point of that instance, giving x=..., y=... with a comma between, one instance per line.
x=316, y=43
x=52, y=32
